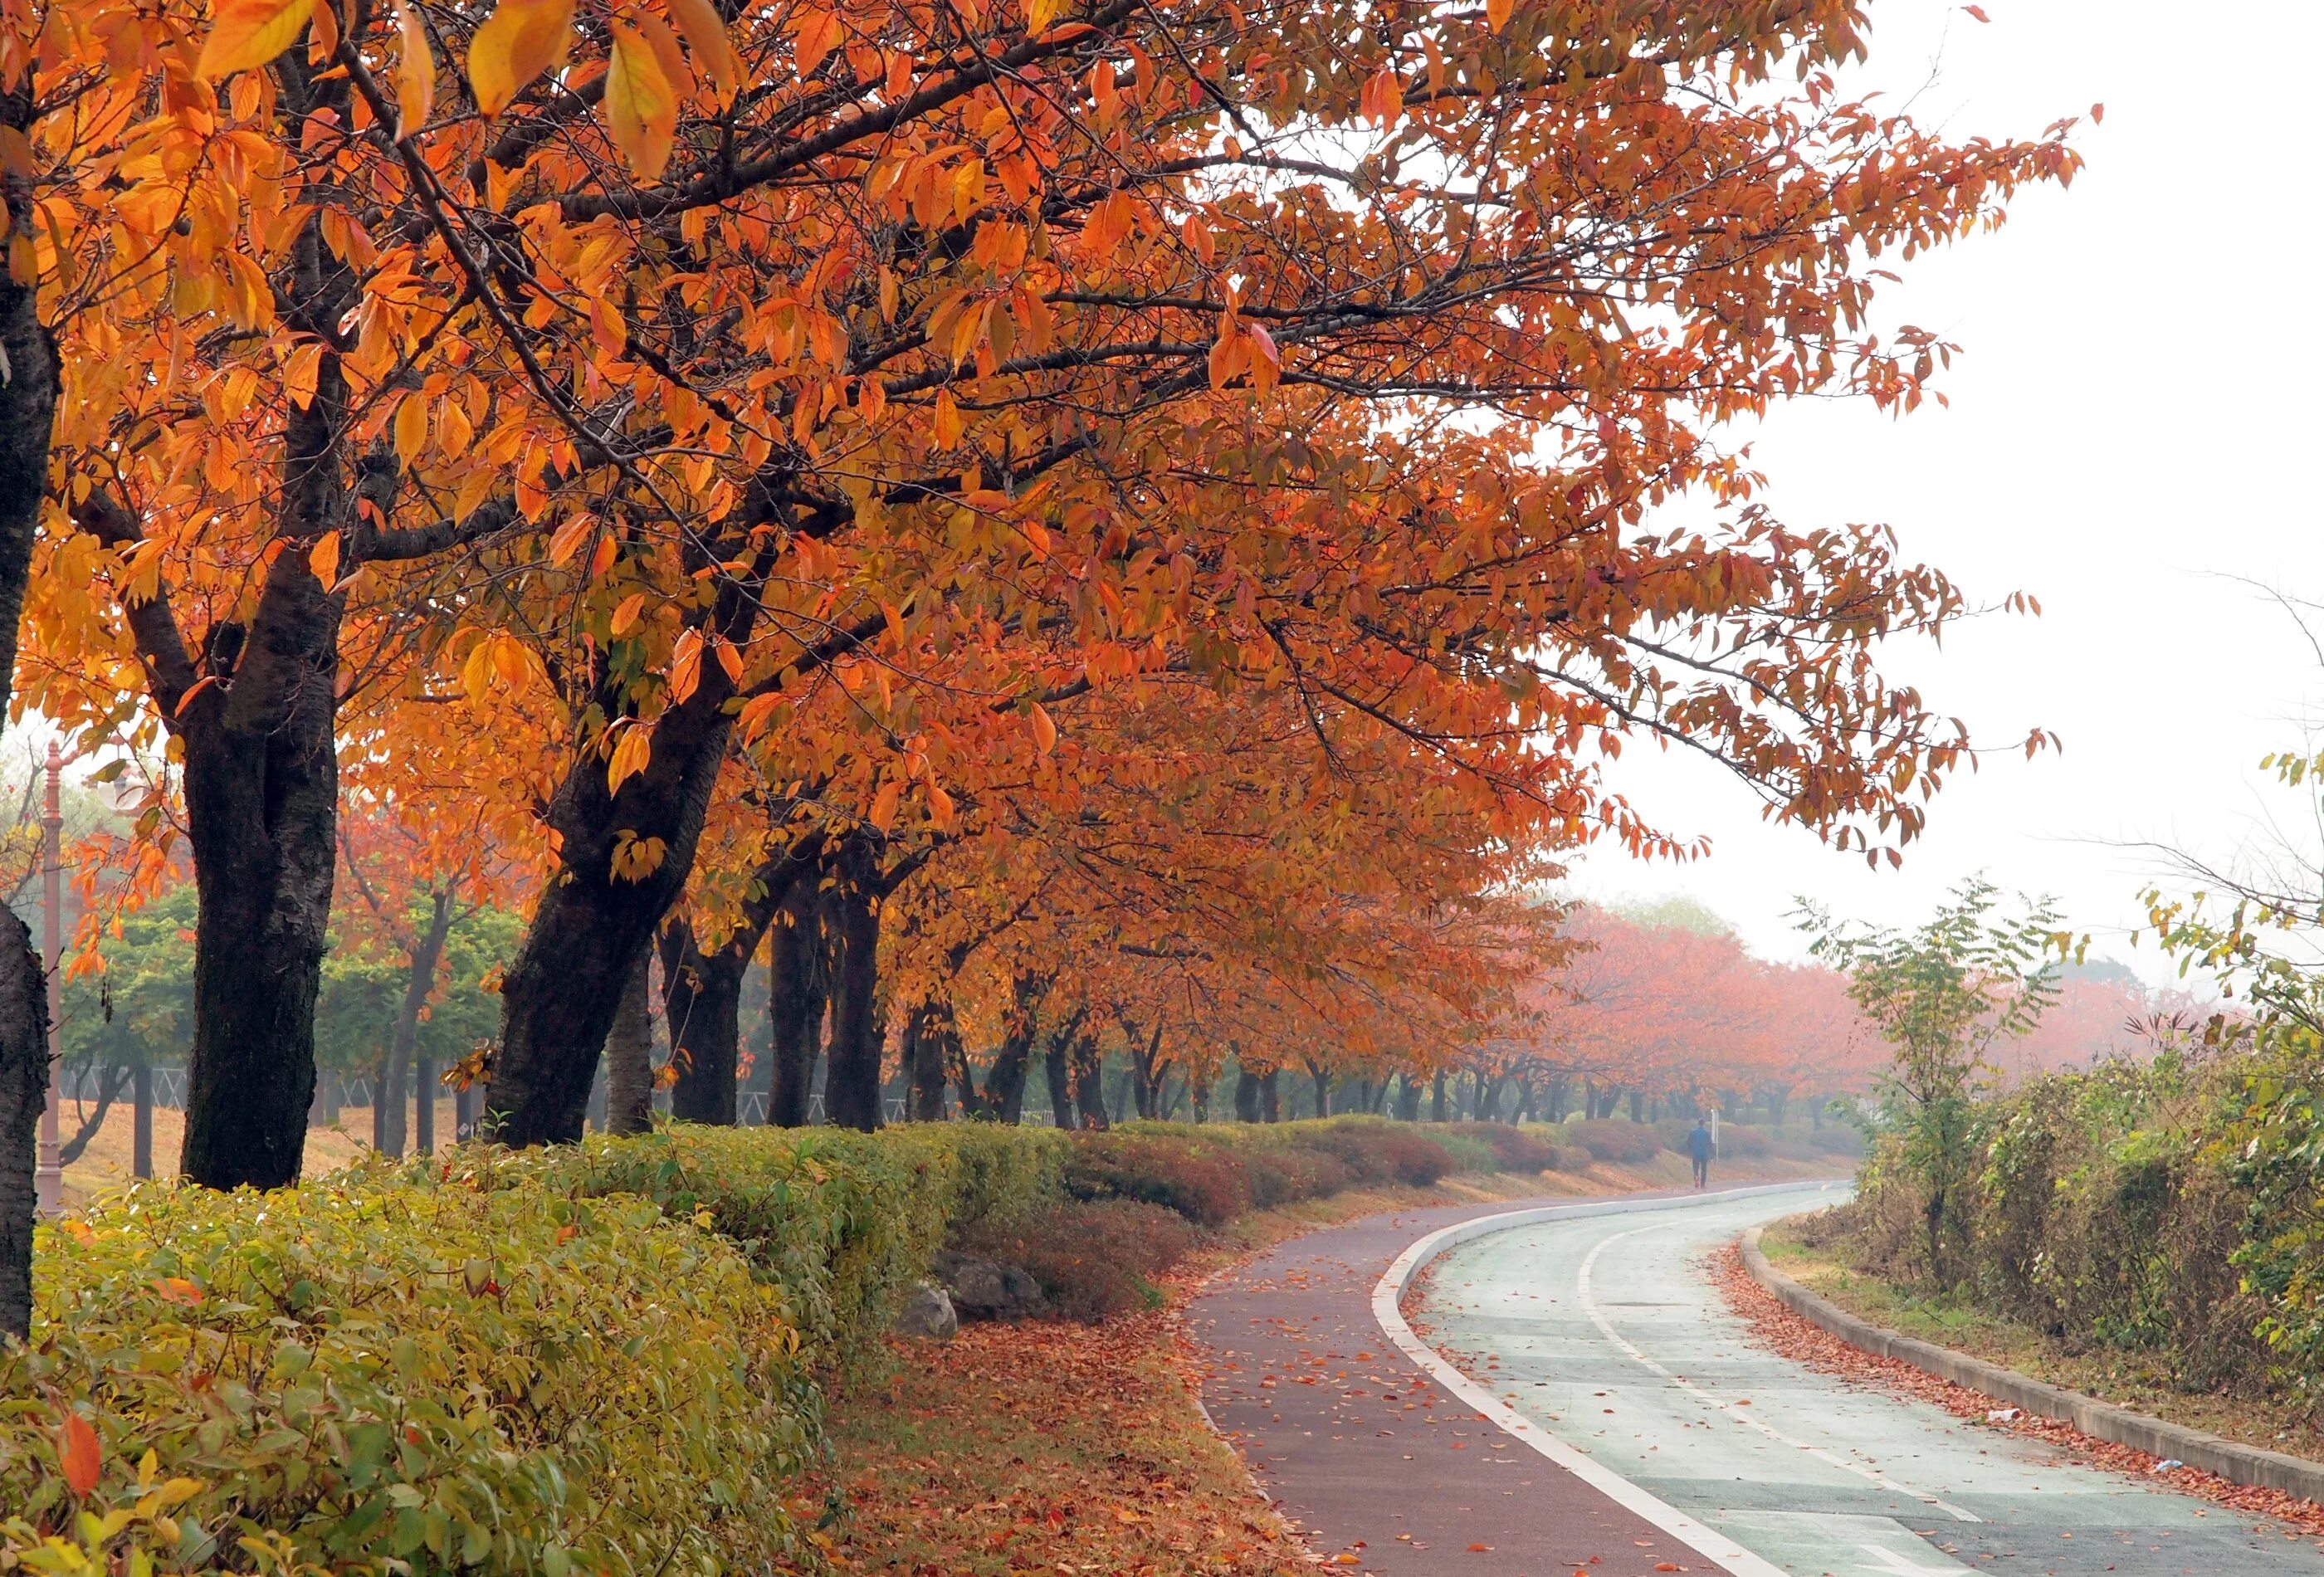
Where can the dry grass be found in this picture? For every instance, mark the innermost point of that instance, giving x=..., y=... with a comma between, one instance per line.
x=106, y=1164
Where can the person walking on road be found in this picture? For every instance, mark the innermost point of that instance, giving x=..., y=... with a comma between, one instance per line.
x=1700, y=1145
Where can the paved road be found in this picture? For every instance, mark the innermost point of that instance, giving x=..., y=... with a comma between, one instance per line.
x=1607, y=1334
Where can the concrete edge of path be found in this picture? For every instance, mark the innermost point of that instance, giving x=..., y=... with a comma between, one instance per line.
x=2231, y=1460
x=1388, y=1296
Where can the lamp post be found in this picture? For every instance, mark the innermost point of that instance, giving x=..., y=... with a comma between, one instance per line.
x=48, y=1177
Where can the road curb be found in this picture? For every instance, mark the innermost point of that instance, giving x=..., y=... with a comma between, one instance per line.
x=2231, y=1460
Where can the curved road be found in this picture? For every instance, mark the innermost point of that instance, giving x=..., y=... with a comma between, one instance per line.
x=1607, y=1334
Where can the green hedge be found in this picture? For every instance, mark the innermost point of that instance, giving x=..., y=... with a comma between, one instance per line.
x=387, y=1367
x=599, y=1359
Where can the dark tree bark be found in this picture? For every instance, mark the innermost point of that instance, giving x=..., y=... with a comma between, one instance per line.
x=1436, y=1106
x=1147, y=1072
x=1061, y=1090
x=629, y=1054
x=1407, y=1099
x=23, y=1092
x=702, y=991
x=1323, y=1078
x=27, y=409
x=426, y=1085
x=795, y=1001
x=1246, y=1096
x=1002, y=1098
x=419, y=980
x=924, y=1055
x=1201, y=1095
x=851, y=1088
x=1089, y=1082
x=140, y=1121
x=110, y=1082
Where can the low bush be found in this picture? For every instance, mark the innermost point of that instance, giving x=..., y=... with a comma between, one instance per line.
x=393, y=1371
x=1736, y=1141
x=1512, y=1149
x=1208, y=1184
x=838, y=1224
x=1092, y=1258
x=1377, y=1151
x=1574, y=1158
x=1466, y=1146
x=1615, y=1141
x=1283, y=1174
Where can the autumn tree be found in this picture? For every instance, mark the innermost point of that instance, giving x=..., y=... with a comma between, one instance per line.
x=706, y=356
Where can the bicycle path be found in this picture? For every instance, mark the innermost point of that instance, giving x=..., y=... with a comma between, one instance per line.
x=1606, y=1333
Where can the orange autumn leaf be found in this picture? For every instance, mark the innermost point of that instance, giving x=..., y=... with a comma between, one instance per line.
x=415, y=72
x=245, y=35
x=78, y=1452
x=516, y=43
x=640, y=103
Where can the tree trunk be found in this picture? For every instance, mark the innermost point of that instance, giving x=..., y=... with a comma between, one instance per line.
x=1061, y=1093
x=140, y=1121
x=23, y=1092
x=1322, y=1076
x=795, y=999
x=420, y=981
x=387, y=1104
x=1270, y=1094
x=1147, y=1077
x=1436, y=1108
x=924, y=1056
x=851, y=1089
x=1200, y=1095
x=1407, y=1099
x=426, y=1085
x=629, y=1056
x=1246, y=1096
x=28, y=407
x=109, y=1085
x=1089, y=1080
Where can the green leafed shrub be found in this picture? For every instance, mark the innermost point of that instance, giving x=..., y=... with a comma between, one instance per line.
x=388, y=1372
x=1093, y=1259
x=1512, y=1149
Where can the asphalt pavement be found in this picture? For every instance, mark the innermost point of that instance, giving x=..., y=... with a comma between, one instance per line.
x=1608, y=1335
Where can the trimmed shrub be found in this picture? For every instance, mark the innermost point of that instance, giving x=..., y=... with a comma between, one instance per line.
x=1736, y=1141
x=1283, y=1174
x=1207, y=1183
x=1467, y=1150
x=1379, y=1152
x=389, y=1369
x=1512, y=1149
x=1616, y=1141
x=1570, y=1159
x=1093, y=1259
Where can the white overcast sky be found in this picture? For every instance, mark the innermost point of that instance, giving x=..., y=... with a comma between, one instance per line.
x=2135, y=423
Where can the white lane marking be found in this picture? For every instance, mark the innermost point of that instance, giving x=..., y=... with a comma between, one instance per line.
x=1891, y=1562
x=1606, y=1328
x=1707, y=1542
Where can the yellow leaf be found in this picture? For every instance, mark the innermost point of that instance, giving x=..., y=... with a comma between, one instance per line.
x=947, y=421
x=476, y=673
x=706, y=35
x=666, y=54
x=631, y=752
x=640, y=105
x=415, y=73
x=883, y=804
x=606, y=326
x=517, y=42
x=1039, y=13
x=686, y=664
x=728, y=659
x=626, y=614
x=323, y=560
x=245, y=35
x=410, y=427
x=1497, y=13
x=940, y=804
x=513, y=660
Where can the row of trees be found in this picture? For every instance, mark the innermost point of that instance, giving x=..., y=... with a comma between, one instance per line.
x=1142, y=512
